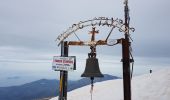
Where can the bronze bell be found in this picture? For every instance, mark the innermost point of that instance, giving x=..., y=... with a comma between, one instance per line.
x=92, y=68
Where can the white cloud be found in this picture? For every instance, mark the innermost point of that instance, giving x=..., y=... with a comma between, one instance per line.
x=35, y=24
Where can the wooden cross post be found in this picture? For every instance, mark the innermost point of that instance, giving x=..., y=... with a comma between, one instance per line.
x=93, y=47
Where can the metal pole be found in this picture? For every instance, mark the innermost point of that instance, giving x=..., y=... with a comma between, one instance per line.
x=126, y=56
x=126, y=70
x=63, y=74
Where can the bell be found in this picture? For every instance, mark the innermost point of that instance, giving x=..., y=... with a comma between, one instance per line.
x=92, y=68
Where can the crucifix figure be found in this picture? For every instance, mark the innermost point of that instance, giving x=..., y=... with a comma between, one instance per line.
x=93, y=47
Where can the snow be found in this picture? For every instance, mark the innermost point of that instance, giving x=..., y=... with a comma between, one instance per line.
x=154, y=86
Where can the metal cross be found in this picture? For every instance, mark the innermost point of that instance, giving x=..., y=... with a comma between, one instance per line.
x=93, y=32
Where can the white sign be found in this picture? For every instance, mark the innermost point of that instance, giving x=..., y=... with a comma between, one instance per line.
x=64, y=63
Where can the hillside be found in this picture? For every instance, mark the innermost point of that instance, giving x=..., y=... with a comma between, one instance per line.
x=43, y=88
x=154, y=86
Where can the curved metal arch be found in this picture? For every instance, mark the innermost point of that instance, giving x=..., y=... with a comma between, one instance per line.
x=100, y=21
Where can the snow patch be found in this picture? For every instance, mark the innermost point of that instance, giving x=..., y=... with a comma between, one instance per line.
x=154, y=86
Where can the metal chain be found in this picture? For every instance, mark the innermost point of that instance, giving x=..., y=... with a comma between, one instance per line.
x=91, y=90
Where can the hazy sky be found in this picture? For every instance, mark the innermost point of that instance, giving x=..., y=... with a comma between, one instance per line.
x=28, y=28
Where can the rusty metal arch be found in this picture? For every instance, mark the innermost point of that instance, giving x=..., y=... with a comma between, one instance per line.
x=100, y=21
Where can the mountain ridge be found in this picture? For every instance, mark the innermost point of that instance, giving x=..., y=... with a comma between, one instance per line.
x=44, y=88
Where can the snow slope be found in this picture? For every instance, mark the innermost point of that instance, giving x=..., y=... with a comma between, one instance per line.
x=155, y=86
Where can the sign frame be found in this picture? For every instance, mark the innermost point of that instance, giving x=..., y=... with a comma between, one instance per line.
x=64, y=63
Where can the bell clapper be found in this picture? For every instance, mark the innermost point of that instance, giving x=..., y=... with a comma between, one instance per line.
x=91, y=90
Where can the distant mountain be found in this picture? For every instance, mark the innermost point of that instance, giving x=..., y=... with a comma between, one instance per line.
x=38, y=89
x=43, y=88
x=86, y=81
